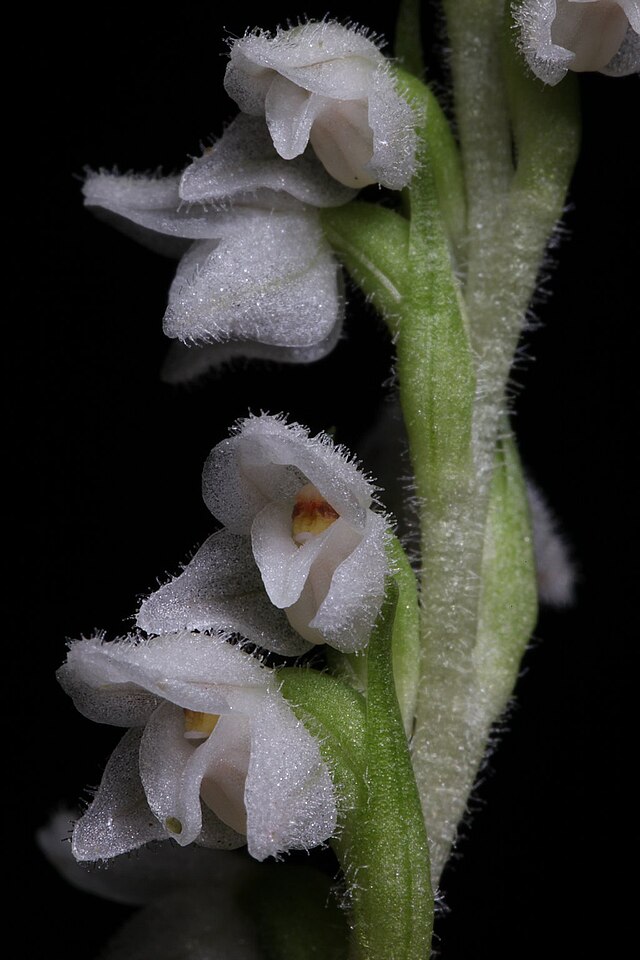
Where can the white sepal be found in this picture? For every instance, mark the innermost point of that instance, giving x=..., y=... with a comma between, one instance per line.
x=221, y=589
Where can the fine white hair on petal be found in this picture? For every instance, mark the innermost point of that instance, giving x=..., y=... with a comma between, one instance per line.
x=268, y=459
x=172, y=663
x=330, y=85
x=118, y=820
x=289, y=794
x=221, y=588
x=243, y=166
x=156, y=869
x=149, y=209
x=554, y=569
x=186, y=363
x=205, y=788
x=294, y=53
x=579, y=35
x=271, y=278
x=392, y=121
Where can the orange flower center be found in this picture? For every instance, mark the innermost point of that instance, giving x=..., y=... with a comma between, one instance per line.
x=311, y=514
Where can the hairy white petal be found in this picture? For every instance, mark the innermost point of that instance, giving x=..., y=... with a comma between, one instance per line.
x=290, y=113
x=221, y=588
x=274, y=281
x=580, y=35
x=246, y=81
x=348, y=613
x=100, y=690
x=285, y=566
x=331, y=85
x=323, y=57
x=192, y=670
x=260, y=270
x=253, y=577
x=244, y=166
x=186, y=363
x=289, y=795
x=156, y=869
x=392, y=121
x=145, y=207
x=172, y=769
x=268, y=460
x=119, y=819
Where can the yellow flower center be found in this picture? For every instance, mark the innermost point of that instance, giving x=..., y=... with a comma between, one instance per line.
x=311, y=514
x=198, y=726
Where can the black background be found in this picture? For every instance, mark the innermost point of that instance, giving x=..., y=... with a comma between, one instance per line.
x=108, y=468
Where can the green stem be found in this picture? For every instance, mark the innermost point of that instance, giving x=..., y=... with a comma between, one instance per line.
x=511, y=217
x=475, y=37
x=468, y=678
x=454, y=349
x=381, y=840
x=437, y=387
x=383, y=848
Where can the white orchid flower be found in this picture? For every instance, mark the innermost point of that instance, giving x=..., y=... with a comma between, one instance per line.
x=214, y=754
x=328, y=85
x=580, y=35
x=301, y=556
x=255, y=268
